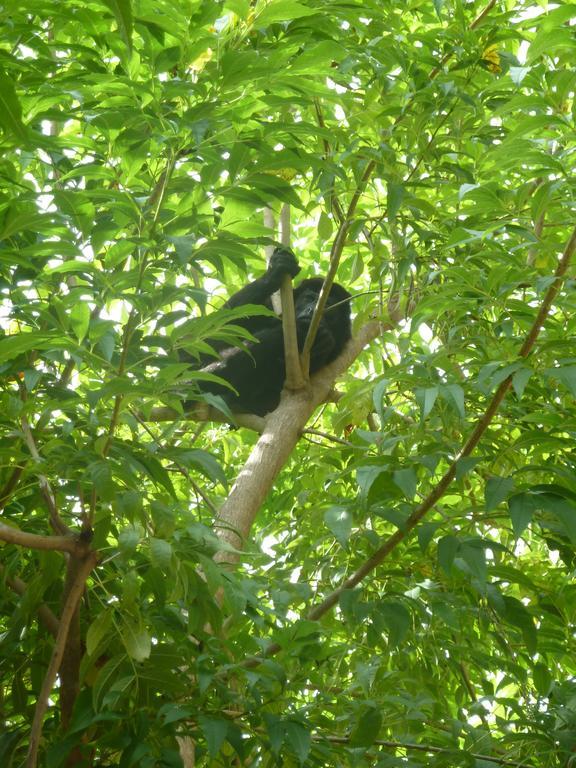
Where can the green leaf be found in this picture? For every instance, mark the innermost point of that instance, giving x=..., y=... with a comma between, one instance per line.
x=160, y=553
x=465, y=465
x=564, y=511
x=448, y=547
x=339, y=522
x=71, y=266
x=366, y=476
x=316, y=58
x=517, y=615
x=520, y=379
x=397, y=620
x=299, y=739
x=99, y=630
x=521, y=507
x=542, y=678
x=136, y=640
x=367, y=729
x=130, y=590
x=407, y=481
x=567, y=375
x=140, y=461
x=325, y=226
x=474, y=555
x=108, y=676
x=239, y=7
x=13, y=346
x=122, y=10
x=281, y=10
x=10, y=110
x=425, y=533
x=395, y=198
x=215, y=730
x=454, y=394
x=497, y=490
x=80, y=319
x=426, y=399
x=129, y=538
x=164, y=518
x=552, y=42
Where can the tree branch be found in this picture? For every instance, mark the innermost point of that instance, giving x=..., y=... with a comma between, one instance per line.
x=294, y=378
x=408, y=746
x=45, y=615
x=55, y=520
x=201, y=413
x=74, y=595
x=282, y=431
x=33, y=541
x=10, y=486
x=335, y=254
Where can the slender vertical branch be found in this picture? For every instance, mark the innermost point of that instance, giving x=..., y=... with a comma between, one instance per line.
x=55, y=520
x=335, y=255
x=68, y=612
x=294, y=378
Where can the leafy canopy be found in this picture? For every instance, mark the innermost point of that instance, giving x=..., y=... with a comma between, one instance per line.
x=141, y=142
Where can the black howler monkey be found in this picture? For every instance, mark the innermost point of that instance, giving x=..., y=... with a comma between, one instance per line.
x=257, y=371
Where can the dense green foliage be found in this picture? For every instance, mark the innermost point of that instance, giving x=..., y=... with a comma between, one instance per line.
x=140, y=143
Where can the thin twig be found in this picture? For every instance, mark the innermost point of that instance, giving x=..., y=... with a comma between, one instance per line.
x=476, y=23
x=294, y=377
x=45, y=615
x=327, y=436
x=181, y=468
x=55, y=520
x=335, y=254
x=412, y=747
x=10, y=486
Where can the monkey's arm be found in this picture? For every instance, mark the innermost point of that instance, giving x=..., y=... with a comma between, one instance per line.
x=283, y=262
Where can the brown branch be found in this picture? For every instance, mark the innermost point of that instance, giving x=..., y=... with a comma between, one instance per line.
x=334, y=202
x=56, y=521
x=476, y=23
x=10, y=486
x=412, y=747
x=33, y=541
x=327, y=436
x=45, y=615
x=12, y=482
x=346, y=221
x=282, y=431
x=482, y=15
x=74, y=595
x=155, y=201
x=335, y=254
x=201, y=413
x=69, y=668
x=158, y=194
x=294, y=378
x=433, y=74
x=270, y=223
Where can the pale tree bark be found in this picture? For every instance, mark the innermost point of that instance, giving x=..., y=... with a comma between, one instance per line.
x=282, y=430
